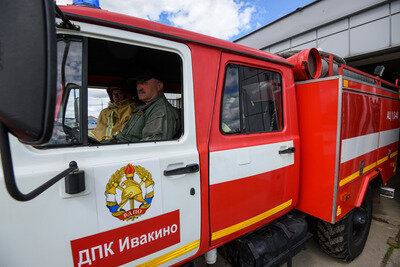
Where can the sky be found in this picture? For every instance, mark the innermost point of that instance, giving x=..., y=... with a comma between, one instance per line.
x=225, y=19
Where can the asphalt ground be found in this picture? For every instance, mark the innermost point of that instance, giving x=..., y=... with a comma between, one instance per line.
x=382, y=247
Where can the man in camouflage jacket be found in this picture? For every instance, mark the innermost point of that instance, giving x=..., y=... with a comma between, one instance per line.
x=156, y=120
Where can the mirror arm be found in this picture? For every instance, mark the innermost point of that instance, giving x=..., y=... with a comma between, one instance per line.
x=8, y=171
x=66, y=23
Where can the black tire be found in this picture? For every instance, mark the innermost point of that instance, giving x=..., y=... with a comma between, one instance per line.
x=346, y=238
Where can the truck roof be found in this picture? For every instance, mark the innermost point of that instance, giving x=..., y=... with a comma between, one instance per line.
x=120, y=21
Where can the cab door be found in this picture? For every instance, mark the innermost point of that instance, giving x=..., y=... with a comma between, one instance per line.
x=102, y=225
x=254, y=147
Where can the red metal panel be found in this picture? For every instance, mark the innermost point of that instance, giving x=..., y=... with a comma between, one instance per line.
x=360, y=118
x=376, y=80
x=387, y=153
x=318, y=119
x=205, y=64
x=360, y=115
x=239, y=200
x=388, y=165
x=236, y=201
x=352, y=166
x=369, y=88
x=390, y=114
x=352, y=191
x=365, y=114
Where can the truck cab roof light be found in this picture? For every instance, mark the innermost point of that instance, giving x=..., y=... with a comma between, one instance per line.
x=88, y=3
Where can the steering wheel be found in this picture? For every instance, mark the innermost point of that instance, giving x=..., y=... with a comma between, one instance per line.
x=72, y=134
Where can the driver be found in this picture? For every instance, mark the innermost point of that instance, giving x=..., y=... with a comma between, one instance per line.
x=156, y=120
x=113, y=118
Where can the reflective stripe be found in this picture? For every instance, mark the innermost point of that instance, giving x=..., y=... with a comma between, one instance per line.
x=357, y=146
x=361, y=145
x=251, y=221
x=350, y=178
x=172, y=255
x=110, y=124
x=388, y=137
x=366, y=169
x=92, y=134
x=382, y=160
x=226, y=128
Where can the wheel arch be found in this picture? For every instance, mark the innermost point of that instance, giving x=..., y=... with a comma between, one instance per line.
x=374, y=179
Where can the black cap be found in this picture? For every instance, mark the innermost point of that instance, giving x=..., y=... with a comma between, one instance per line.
x=147, y=75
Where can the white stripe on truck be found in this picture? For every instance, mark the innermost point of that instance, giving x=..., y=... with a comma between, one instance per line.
x=233, y=164
x=361, y=145
x=358, y=146
x=388, y=137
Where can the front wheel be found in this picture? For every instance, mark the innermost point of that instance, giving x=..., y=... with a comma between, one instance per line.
x=346, y=238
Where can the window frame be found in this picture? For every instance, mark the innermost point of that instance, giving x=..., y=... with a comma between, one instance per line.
x=83, y=101
x=82, y=91
x=141, y=41
x=241, y=120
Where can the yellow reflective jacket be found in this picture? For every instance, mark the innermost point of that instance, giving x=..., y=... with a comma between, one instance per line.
x=113, y=119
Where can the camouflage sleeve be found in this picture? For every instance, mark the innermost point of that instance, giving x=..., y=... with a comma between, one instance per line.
x=125, y=136
x=120, y=139
x=153, y=129
x=173, y=124
x=163, y=125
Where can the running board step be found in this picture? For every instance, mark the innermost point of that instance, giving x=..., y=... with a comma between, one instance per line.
x=387, y=192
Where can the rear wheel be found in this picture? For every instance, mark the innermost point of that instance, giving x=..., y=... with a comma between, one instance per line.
x=346, y=238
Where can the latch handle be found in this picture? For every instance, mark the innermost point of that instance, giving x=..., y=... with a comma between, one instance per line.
x=191, y=168
x=288, y=150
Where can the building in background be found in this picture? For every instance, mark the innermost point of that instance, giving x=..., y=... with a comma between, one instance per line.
x=366, y=33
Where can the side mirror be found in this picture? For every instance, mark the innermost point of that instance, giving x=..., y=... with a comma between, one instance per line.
x=28, y=68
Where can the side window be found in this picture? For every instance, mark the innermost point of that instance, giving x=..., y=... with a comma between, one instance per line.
x=106, y=93
x=71, y=117
x=67, y=122
x=230, y=102
x=252, y=100
x=98, y=100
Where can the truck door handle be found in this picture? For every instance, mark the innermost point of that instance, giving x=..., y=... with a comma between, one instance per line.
x=188, y=169
x=287, y=151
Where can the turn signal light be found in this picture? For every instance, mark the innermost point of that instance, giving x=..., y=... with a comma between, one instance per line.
x=345, y=197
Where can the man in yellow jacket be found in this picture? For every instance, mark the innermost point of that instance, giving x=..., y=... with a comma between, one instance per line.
x=113, y=118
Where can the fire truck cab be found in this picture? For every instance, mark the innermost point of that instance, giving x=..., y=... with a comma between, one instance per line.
x=261, y=137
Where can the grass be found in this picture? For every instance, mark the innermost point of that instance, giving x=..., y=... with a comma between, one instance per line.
x=394, y=243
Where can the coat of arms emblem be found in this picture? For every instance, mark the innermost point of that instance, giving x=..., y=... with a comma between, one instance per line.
x=136, y=186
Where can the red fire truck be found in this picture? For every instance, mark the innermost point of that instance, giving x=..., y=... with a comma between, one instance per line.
x=267, y=145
